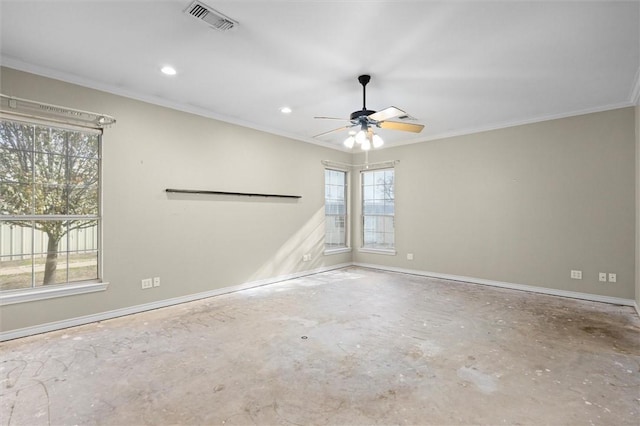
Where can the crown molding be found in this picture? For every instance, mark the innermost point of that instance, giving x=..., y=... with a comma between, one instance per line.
x=154, y=100
x=9, y=62
x=515, y=123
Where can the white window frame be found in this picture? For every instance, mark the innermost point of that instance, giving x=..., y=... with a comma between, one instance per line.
x=347, y=205
x=8, y=297
x=391, y=251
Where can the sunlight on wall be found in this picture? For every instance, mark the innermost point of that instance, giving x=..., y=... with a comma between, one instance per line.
x=309, y=239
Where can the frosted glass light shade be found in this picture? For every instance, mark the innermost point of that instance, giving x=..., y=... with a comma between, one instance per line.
x=377, y=141
x=366, y=145
x=348, y=142
x=361, y=136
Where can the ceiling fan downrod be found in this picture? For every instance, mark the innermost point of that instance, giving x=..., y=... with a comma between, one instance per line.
x=363, y=79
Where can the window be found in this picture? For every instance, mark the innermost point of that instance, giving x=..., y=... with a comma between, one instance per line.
x=378, y=209
x=49, y=205
x=335, y=209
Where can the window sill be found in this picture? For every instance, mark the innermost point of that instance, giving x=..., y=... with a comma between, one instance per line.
x=388, y=252
x=329, y=252
x=33, y=294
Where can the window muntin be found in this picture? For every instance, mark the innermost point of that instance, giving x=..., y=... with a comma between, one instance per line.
x=378, y=209
x=335, y=205
x=49, y=205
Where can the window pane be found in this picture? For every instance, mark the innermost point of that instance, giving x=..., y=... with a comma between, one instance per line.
x=379, y=177
x=83, y=236
x=369, y=238
x=83, y=200
x=389, y=207
x=388, y=224
x=83, y=171
x=330, y=207
x=50, y=256
x=367, y=193
x=335, y=231
x=82, y=247
x=50, y=140
x=335, y=209
x=50, y=268
x=83, y=266
x=50, y=169
x=16, y=198
x=378, y=208
x=369, y=223
x=379, y=192
x=16, y=260
x=367, y=178
x=331, y=175
x=15, y=166
x=83, y=145
x=50, y=199
x=16, y=136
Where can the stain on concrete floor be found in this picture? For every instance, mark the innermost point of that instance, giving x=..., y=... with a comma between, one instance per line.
x=352, y=346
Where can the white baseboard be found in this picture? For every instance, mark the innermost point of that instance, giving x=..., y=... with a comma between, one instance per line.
x=512, y=286
x=87, y=319
x=72, y=322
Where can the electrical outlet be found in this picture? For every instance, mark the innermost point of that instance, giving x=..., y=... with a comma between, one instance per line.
x=146, y=283
x=612, y=278
x=409, y=256
x=602, y=277
x=156, y=281
x=576, y=275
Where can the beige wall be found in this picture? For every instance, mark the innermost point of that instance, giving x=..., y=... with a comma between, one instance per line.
x=193, y=243
x=522, y=205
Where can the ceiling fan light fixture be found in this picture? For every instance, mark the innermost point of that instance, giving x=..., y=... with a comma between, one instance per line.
x=361, y=137
x=348, y=142
x=366, y=145
x=377, y=141
x=168, y=70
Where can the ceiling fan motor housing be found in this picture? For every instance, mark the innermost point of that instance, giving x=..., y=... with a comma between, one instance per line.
x=355, y=115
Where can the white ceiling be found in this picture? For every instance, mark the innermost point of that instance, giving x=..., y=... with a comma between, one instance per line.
x=458, y=67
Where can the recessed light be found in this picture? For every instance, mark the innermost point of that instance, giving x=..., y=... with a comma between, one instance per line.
x=168, y=70
x=285, y=110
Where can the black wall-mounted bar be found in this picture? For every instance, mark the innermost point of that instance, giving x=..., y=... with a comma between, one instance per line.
x=246, y=194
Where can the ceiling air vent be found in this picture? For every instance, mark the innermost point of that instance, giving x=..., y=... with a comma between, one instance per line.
x=211, y=17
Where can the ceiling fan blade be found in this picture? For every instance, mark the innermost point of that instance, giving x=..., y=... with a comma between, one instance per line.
x=331, y=118
x=334, y=130
x=387, y=113
x=405, y=127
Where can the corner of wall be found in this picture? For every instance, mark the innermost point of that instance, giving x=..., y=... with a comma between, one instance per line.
x=637, y=257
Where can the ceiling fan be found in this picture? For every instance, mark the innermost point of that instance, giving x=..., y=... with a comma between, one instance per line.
x=367, y=120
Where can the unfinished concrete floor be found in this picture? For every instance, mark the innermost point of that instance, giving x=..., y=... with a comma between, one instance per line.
x=352, y=346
